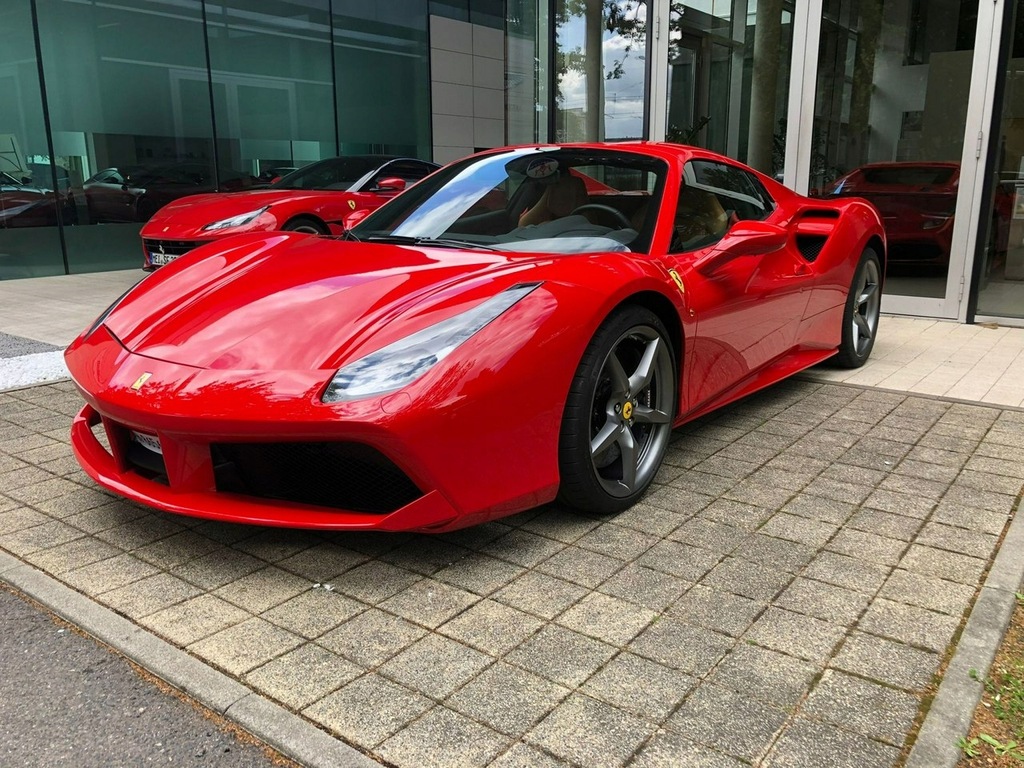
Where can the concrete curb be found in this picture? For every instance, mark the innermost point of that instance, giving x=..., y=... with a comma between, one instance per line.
x=267, y=721
x=952, y=710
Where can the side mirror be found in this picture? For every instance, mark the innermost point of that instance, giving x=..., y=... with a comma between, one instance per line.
x=354, y=218
x=745, y=238
x=390, y=184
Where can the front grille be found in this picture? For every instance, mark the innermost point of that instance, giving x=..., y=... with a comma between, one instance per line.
x=172, y=248
x=146, y=463
x=347, y=476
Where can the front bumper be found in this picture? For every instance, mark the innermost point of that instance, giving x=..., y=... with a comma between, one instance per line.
x=439, y=467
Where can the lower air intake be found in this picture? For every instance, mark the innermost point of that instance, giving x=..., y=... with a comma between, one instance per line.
x=348, y=476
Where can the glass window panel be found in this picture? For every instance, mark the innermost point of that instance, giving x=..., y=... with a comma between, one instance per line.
x=126, y=88
x=601, y=72
x=1000, y=277
x=525, y=79
x=729, y=63
x=30, y=199
x=383, y=81
x=894, y=77
x=273, y=85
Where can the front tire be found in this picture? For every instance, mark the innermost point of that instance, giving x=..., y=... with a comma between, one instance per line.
x=863, y=308
x=619, y=413
x=303, y=224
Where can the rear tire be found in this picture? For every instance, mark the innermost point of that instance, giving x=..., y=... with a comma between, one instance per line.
x=863, y=308
x=619, y=413
x=309, y=226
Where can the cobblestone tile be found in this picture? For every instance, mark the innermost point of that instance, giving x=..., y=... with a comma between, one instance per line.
x=46, y=534
x=680, y=560
x=828, y=602
x=712, y=609
x=589, y=732
x=523, y=548
x=313, y=612
x=767, y=675
x=777, y=553
x=192, y=620
x=303, y=675
x=748, y=579
x=217, y=568
x=970, y=519
x=928, y=592
x=540, y=594
x=607, y=618
x=887, y=661
x=735, y=513
x=275, y=544
x=653, y=520
x=344, y=711
x=820, y=508
x=867, y=546
x=945, y=565
x=639, y=686
x=263, y=589
x=429, y=602
x=435, y=665
x=442, y=732
x=245, y=646
x=985, y=482
x=507, y=698
x=105, y=575
x=887, y=524
x=72, y=555
x=682, y=647
x=646, y=587
x=859, y=705
x=522, y=755
x=149, y=595
x=955, y=539
x=561, y=655
x=802, y=636
x=719, y=538
x=371, y=637
x=479, y=574
x=727, y=721
x=680, y=501
x=811, y=744
x=588, y=569
x=492, y=627
x=375, y=581
x=909, y=624
x=802, y=530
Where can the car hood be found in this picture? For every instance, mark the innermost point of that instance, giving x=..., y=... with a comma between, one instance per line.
x=200, y=210
x=290, y=301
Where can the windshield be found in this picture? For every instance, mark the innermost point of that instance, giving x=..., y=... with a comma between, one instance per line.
x=338, y=173
x=544, y=199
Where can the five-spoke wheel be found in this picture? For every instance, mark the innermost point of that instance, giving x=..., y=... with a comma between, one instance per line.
x=863, y=308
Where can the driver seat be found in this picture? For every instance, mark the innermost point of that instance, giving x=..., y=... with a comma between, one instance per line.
x=559, y=199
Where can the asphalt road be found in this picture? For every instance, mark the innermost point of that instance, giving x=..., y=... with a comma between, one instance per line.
x=67, y=700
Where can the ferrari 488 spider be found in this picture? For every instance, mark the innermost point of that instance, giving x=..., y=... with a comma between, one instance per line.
x=500, y=335
x=314, y=199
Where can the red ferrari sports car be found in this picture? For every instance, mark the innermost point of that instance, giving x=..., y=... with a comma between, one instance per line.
x=313, y=199
x=493, y=339
x=917, y=201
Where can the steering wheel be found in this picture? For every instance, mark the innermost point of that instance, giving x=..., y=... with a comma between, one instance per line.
x=618, y=216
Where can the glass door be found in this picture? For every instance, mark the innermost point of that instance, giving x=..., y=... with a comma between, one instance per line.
x=898, y=119
x=999, y=274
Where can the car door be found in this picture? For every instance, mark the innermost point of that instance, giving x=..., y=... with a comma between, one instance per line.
x=746, y=287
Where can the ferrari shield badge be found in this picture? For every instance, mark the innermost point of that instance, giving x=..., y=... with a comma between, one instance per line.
x=677, y=280
x=352, y=204
x=139, y=382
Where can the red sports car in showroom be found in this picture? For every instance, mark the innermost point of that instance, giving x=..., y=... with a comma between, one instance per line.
x=917, y=201
x=491, y=340
x=313, y=199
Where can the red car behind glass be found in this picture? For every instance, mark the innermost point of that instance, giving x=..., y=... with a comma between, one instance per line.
x=917, y=201
x=314, y=199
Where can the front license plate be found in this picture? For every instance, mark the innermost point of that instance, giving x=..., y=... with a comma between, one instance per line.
x=150, y=442
x=159, y=259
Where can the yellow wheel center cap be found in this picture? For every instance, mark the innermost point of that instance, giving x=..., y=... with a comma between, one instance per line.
x=627, y=410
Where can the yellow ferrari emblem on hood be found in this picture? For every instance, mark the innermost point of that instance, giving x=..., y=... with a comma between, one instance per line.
x=141, y=380
x=678, y=280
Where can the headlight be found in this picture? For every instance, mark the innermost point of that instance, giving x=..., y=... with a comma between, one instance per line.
x=405, y=360
x=235, y=221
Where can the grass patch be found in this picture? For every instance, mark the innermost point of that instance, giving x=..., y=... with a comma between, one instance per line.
x=996, y=736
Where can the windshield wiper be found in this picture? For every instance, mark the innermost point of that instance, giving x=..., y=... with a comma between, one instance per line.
x=437, y=242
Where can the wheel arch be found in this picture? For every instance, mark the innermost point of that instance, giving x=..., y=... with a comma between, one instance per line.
x=875, y=243
x=667, y=312
x=305, y=216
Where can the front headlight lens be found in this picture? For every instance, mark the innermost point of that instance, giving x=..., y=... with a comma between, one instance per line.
x=235, y=221
x=405, y=360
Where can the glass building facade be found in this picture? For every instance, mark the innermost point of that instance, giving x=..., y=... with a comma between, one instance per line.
x=108, y=110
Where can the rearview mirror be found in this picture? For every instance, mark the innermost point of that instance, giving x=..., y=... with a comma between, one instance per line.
x=390, y=184
x=745, y=238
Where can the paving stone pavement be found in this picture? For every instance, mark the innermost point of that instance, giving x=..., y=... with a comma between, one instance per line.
x=784, y=596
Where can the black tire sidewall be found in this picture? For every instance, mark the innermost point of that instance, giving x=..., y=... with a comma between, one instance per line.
x=580, y=487
x=848, y=356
